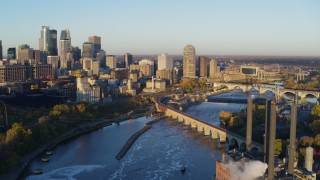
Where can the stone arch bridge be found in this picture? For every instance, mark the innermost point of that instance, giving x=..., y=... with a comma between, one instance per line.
x=205, y=128
x=236, y=141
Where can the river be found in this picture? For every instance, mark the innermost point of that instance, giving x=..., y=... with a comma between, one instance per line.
x=157, y=154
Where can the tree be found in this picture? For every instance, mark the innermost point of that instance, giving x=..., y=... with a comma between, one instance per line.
x=306, y=141
x=81, y=107
x=18, y=139
x=278, y=147
x=316, y=111
x=284, y=74
x=17, y=133
x=317, y=140
x=315, y=126
x=43, y=119
x=55, y=113
x=235, y=121
x=62, y=108
x=289, y=83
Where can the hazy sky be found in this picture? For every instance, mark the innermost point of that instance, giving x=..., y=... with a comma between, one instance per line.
x=214, y=27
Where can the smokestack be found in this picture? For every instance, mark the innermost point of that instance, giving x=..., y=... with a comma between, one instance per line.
x=249, y=125
x=309, y=159
x=272, y=138
x=267, y=130
x=292, y=145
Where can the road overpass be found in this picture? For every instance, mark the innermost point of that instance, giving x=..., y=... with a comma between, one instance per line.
x=279, y=91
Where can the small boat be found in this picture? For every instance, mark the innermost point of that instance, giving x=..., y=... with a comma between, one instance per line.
x=44, y=159
x=49, y=152
x=37, y=171
x=183, y=169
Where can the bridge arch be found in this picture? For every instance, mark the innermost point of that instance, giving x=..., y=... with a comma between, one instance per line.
x=233, y=144
x=238, y=87
x=310, y=95
x=194, y=125
x=289, y=95
x=254, y=149
x=269, y=93
x=254, y=89
x=214, y=134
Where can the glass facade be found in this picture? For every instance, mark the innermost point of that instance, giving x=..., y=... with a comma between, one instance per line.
x=11, y=53
x=249, y=71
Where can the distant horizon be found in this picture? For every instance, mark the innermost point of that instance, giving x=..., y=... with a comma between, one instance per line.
x=256, y=56
x=234, y=28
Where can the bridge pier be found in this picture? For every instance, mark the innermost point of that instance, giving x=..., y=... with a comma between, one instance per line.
x=206, y=131
x=187, y=122
x=202, y=127
x=193, y=125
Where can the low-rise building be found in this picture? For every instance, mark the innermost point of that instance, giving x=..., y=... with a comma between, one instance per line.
x=87, y=91
x=233, y=77
x=13, y=73
x=155, y=85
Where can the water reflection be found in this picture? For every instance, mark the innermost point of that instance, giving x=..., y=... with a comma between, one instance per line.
x=157, y=154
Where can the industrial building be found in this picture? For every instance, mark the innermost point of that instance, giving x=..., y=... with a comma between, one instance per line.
x=245, y=165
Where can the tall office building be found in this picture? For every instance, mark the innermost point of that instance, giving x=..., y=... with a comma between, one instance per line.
x=48, y=41
x=189, y=62
x=36, y=56
x=101, y=58
x=128, y=60
x=65, y=47
x=11, y=53
x=112, y=61
x=65, y=34
x=213, y=68
x=165, y=62
x=88, y=50
x=1, y=56
x=53, y=46
x=54, y=61
x=146, y=68
x=204, y=66
x=76, y=53
x=44, y=40
x=96, y=41
x=24, y=52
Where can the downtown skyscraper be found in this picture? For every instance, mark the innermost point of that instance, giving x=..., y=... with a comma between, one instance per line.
x=65, y=47
x=88, y=50
x=48, y=42
x=165, y=61
x=189, y=62
x=128, y=60
x=96, y=41
x=1, y=57
x=204, y=66
x=213, y=68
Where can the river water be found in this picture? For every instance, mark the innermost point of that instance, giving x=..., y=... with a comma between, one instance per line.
x=157, y=154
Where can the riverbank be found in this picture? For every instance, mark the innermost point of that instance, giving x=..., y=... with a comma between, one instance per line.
x=76, y=132
x=18, y=170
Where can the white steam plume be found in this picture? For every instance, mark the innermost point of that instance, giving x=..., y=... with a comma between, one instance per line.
x=246, y=170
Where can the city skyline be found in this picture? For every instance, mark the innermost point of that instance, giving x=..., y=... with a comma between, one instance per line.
x=286, y=28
